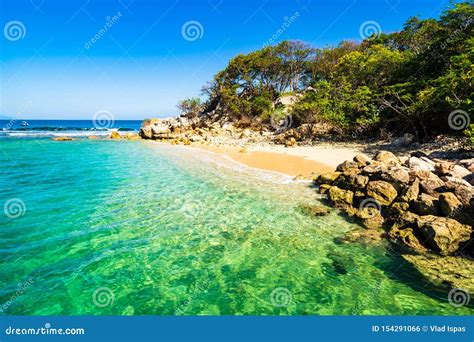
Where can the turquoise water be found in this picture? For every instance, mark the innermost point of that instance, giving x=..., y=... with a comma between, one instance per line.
x=136, y=228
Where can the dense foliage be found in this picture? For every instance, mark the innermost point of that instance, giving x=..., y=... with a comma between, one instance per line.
x=407, y=81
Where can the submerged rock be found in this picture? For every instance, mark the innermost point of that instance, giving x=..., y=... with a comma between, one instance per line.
x=445, y=272
x=365, y=236
x=315, y=210
x=63, y=139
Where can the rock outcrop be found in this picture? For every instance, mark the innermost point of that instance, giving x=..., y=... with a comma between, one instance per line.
x=424, y=205
x=63, y=139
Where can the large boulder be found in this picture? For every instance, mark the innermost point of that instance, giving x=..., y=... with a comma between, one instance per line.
x=433, y=185
x=327, y=178
x=340, y=198
x=145, y=132
x=410, y=193
x=443, y=234
x=160, y=129
x=459, y=171
x=463, y=192
x=115, y=135
x=383, y=192
x=348, y=166
x=406, y=240
x=419, y=164
x=397, y=176
x=450, y=205
x=370, y=218
x=324, y=188
x=387, y=158
x=352, y=181
x=362, y=160
x=155, y=129
x=426, y=205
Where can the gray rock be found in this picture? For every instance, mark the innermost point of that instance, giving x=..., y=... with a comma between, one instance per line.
x=416, y=164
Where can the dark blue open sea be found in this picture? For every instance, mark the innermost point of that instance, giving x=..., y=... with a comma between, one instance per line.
x=56, y=128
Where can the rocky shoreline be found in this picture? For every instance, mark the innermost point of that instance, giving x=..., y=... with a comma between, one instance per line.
x=424, y=206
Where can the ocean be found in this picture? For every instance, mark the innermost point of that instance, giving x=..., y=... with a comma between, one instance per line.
x=102, y=227
x=71, y=128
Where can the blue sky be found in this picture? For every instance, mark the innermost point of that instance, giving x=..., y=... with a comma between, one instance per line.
x=143, y=64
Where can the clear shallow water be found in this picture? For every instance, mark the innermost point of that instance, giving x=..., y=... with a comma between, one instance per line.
x=135, y=228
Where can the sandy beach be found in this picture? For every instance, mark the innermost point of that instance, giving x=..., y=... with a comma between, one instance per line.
x=305, y=161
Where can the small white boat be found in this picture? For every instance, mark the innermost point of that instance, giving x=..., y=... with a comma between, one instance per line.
x=24, y=123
